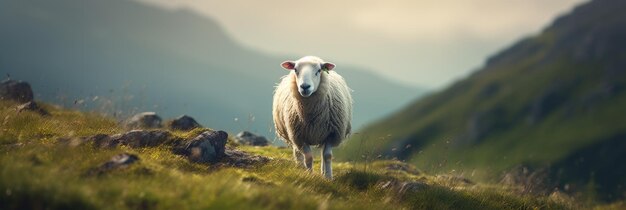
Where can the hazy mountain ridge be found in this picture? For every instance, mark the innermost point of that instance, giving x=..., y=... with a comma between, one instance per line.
x=550, y=101
x=146, y=58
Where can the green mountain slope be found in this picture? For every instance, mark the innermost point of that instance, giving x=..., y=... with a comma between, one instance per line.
x=554, y=101
x=144, y=58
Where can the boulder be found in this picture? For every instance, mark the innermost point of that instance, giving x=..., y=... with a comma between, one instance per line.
x=144, y=120
x=31, y=106
x=16, y=90
x=184, y=123
x=248, y=138
x=208, y=147
x=117, y=162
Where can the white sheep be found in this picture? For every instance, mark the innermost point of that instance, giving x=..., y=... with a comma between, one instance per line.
x=312, y=106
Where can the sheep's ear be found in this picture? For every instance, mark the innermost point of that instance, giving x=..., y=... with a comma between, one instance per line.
x=328, y=66
x=289, y=65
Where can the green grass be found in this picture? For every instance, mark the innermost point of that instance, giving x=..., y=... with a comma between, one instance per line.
x=38, y=172
x=436, y=127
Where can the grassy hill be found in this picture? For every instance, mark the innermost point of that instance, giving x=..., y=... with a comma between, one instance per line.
x=137, y=57
x=39, y=169
x=553, y=102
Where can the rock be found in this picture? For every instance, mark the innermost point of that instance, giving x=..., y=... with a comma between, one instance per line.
x=32, y=106
x=402, y=187
x=248, y=138
x=144, y=120
x=16, y=90
x=242, y=159
x=143, y=138
x=134, y=138
x=184, y=123
x=208, y=147
x=117, y=162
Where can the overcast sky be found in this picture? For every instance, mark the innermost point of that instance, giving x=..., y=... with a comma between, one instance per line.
x=424, y=43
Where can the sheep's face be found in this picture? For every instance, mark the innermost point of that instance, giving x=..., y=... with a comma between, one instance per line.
x=308, y=72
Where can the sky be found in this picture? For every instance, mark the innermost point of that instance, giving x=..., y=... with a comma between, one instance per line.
x=421, y=43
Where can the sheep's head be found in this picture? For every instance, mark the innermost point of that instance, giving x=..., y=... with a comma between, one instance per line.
x=308, y=71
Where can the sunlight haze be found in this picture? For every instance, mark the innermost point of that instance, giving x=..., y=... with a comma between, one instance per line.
x=427, y=43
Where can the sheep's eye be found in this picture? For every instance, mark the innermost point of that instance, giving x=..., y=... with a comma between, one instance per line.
x=318, y=71
x=295, y=70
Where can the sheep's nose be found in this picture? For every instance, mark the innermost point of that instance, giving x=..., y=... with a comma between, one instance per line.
x=305, y=86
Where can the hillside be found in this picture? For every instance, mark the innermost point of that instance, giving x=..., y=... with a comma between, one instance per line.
x=121, y=57
x=58, y=161
x=552, y=104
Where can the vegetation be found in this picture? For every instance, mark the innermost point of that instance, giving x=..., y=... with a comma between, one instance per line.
x=545, y=103
x=39, y=171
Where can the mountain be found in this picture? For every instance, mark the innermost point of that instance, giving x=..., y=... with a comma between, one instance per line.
x=123, y=57
x=553, y=102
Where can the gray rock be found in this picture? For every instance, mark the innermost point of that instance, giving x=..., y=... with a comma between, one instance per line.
x=238, y=158
x=144, y=120
x=16, y=90
x=401, y=188
x=184, y=123
x=117, y=162
x=208, y=147
x=248, y=138
x=32, y=106
x=134, y=138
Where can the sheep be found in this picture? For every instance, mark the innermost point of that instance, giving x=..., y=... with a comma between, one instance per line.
x=312, y=106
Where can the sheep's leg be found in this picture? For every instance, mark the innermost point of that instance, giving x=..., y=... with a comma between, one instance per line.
x=298, y=156
x=308, y=157
x=327, y=156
